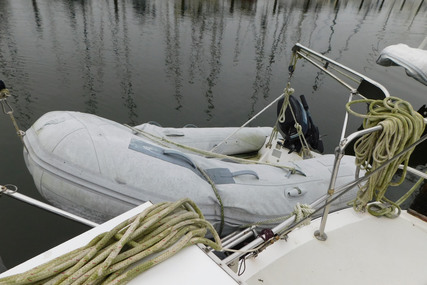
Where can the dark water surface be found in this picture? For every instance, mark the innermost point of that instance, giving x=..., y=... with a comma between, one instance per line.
x=210, y=63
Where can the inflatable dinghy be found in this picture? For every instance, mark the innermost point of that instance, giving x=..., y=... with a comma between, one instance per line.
x=97, y=168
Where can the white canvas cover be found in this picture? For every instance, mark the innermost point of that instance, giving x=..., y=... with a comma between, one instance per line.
x=414, y=60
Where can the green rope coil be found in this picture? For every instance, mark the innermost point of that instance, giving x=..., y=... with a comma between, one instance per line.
x=401, y=127
x=157, y=233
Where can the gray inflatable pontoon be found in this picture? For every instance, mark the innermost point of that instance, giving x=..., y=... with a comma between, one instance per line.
x=97, y=168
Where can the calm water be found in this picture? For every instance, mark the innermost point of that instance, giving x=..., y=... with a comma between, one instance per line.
x=210, y=63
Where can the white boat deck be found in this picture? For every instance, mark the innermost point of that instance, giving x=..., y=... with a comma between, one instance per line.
x=360, y=249
x=189, y=266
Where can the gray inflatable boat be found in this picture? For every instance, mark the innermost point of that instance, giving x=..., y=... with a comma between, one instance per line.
x=97, y=169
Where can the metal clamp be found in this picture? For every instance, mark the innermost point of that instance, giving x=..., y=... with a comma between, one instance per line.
x=8, y=187
x=7, y=109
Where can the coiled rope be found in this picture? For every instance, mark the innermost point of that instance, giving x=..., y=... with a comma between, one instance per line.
x=154, y=235
x=157, y=233
x=401, y=127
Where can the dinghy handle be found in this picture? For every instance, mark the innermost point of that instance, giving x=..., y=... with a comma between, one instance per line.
x=245, y=172
x=295, y=192
x=180, y=155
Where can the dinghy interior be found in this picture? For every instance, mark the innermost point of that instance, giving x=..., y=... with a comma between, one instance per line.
x=258, y=205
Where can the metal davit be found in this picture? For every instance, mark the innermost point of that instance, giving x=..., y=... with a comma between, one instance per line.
x=360, y=87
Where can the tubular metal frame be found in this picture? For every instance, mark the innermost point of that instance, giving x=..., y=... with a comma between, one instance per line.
x=333, y=192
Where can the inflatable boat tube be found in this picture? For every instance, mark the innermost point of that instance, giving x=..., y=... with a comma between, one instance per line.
x=97, y=168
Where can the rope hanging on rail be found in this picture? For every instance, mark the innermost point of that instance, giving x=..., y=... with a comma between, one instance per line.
x=8, y=110
x=157, y=233
x=281, y=118
x=274, y=133
x=402, y=126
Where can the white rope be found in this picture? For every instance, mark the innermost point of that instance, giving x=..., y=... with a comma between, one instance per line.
x=305, y=149
x=401, y=127
x=245, y=124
